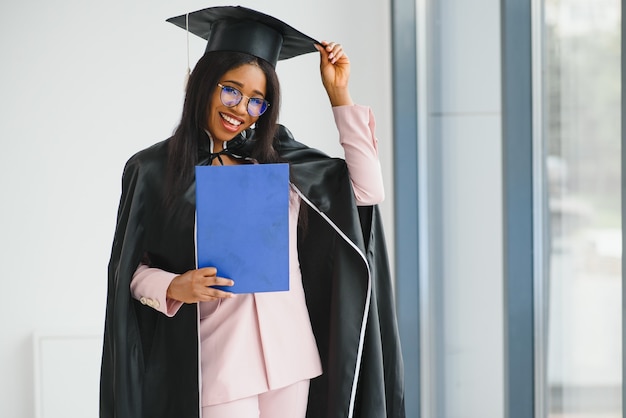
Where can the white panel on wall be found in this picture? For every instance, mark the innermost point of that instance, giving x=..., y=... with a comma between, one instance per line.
x=67, y=375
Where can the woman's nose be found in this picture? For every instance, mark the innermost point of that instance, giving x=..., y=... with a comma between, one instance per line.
x=242, y=106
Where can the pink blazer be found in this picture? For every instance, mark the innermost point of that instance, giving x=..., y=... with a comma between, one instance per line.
x=258, y=342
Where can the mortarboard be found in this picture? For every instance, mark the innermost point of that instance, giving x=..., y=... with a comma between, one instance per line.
x=239, y=29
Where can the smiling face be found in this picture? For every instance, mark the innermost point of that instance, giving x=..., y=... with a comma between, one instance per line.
x=223, y=122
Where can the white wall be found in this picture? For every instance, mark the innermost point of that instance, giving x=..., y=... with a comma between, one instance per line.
x=84, y=85
x=464, y=347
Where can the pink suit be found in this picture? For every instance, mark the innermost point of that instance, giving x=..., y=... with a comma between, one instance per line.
x=258, y=342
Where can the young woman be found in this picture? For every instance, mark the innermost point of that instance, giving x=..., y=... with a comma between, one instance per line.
x=177, y=347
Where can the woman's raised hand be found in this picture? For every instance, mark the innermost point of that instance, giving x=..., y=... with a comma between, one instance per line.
x=335, y=71
x=193, y=286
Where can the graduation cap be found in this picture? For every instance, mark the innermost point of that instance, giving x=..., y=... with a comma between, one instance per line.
x=239, y=29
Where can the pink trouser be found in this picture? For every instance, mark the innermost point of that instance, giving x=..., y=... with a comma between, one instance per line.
x=288, y=402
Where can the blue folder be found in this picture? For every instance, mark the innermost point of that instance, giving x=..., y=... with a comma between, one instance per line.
x=242, y=225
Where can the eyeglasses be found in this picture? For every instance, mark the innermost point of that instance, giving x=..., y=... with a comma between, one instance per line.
x=231, y=97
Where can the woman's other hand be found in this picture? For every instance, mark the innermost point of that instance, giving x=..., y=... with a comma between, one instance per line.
x=335, y=71
x=193, y=286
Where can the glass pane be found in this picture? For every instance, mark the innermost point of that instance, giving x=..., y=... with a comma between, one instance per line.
x=582, y=145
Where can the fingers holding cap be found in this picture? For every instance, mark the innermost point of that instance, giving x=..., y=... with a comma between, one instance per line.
x=334, y=51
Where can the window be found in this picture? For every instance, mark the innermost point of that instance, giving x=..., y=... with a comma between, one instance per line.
x=581, y=158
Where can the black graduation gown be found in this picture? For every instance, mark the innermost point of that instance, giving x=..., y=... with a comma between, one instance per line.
x=150, y=362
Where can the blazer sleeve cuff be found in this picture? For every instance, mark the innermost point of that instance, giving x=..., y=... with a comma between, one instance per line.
x=149, y=286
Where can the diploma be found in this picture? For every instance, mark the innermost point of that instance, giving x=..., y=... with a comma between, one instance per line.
x=242, y=225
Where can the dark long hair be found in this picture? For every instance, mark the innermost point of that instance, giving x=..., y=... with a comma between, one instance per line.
x=183, y=147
